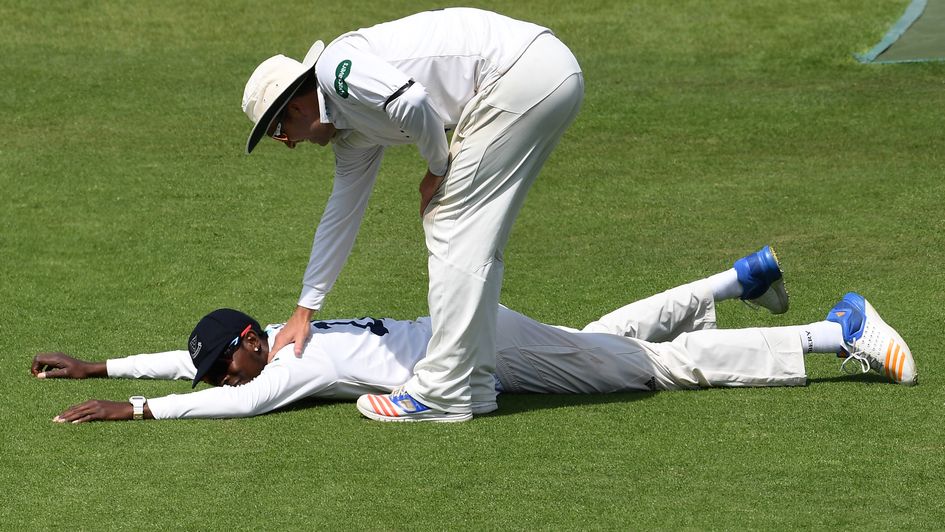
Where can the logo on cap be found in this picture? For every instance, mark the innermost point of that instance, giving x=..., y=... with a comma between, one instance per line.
x=195, y=346
x=344, y=68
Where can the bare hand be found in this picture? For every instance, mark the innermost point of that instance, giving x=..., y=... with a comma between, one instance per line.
x=62, y=366
x=296, y=330
x=96, y=410
x=428, y=187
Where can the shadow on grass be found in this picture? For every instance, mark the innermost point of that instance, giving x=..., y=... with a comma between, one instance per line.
x=868, y=378
x=515, y=403
x=509, y=403
x=309, y=402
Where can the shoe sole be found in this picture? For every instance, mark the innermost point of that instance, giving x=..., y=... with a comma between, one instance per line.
x=436, y=417
x=775, y=298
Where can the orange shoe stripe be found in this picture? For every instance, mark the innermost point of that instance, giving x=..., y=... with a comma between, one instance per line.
x=896, y=358
x=888, y=352
x=378, y=403
x=899, y=370
x=374, y=404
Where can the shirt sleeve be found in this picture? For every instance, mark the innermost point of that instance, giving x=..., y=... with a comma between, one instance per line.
x=363, y=78
x=166, y=365
x=355, y=173
x=282, y=381
x=414, y=113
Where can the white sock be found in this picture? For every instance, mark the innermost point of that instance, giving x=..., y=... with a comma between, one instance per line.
x=725, y=285
x=820, y=337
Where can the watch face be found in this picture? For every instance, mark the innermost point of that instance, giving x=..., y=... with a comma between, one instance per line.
x=137, y=406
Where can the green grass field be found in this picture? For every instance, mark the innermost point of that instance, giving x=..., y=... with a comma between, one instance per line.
x=708, y=130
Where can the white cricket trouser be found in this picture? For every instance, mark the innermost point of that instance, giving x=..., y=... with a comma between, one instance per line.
x=501, y=142
x=665, y=342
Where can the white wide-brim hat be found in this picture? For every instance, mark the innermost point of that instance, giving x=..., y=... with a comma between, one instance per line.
x=274, y=82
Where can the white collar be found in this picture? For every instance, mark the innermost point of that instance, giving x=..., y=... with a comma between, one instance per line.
x=324, y=115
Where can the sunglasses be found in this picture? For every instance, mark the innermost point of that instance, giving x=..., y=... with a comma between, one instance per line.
x=278, y=133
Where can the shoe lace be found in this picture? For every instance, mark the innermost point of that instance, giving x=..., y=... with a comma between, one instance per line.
x=405, y=401
x=859, y=356
x=397, y=392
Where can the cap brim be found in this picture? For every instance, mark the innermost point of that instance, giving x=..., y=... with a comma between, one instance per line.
x=265, y=121
x=207, y=363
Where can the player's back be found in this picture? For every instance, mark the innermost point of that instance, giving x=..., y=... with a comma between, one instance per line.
x=367, y=353
x=454, y=53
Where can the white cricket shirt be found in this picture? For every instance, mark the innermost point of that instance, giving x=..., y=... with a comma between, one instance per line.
x=343, y=360
x=450, y=54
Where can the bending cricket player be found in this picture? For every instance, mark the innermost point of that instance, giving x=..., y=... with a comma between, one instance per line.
x=665, y=342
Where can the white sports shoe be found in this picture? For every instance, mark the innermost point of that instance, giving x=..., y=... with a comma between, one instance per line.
x=401, y=406
x=871, y=342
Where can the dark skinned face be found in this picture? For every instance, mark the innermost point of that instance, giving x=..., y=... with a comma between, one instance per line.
x=239, y=366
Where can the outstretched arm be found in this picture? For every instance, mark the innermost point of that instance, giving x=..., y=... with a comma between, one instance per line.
x=283, y=381
x=63, y=366
x=166, y=365
x=96, y=410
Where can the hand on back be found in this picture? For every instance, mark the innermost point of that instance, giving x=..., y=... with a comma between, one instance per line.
x=296, y=331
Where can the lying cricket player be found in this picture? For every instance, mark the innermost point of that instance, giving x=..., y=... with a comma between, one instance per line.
x=665, y=342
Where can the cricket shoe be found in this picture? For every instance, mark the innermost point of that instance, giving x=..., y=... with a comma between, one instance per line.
x=872, y=343
x=400, y=406
x=762, y=280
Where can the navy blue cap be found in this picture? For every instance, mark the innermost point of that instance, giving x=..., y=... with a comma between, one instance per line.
x=215, y=332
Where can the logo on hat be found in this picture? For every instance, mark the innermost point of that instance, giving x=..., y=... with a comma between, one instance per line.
x=195, y=346
x=344, y=68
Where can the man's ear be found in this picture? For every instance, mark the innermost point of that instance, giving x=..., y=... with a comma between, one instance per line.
x=254, y=343
x=295, y=106
x=302, y=104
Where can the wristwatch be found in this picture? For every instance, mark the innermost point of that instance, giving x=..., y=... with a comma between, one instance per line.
x=137, y=404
